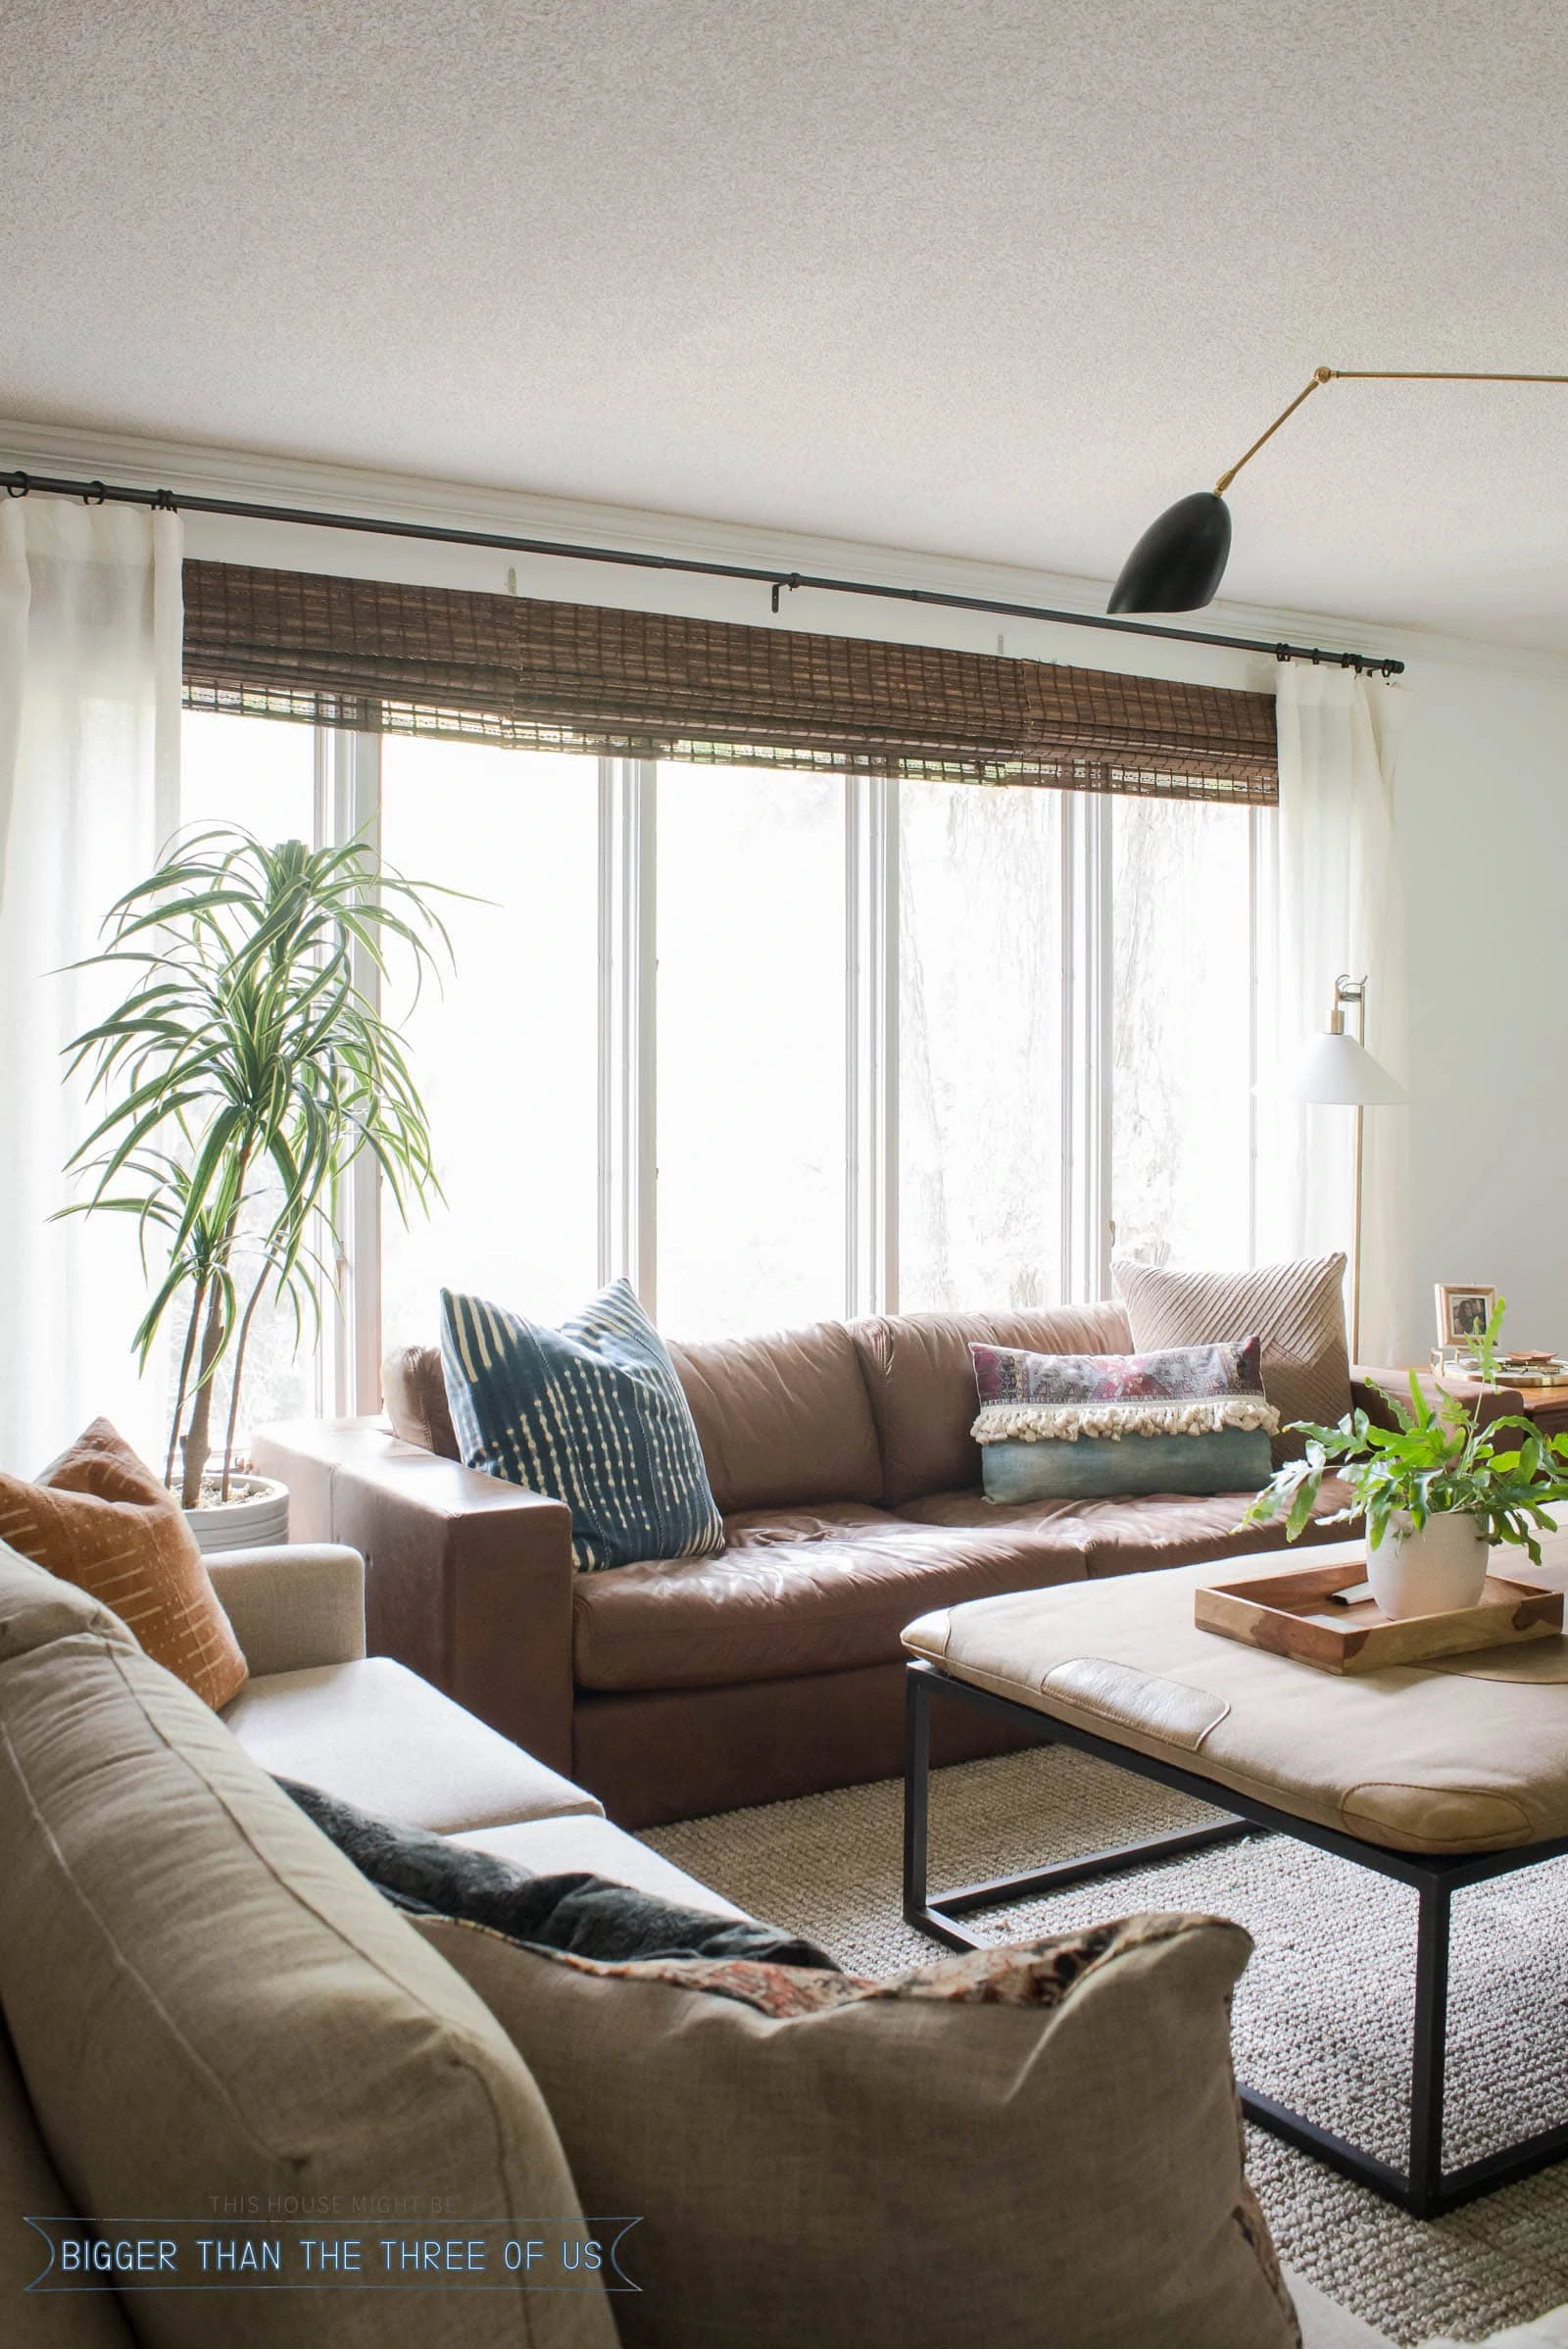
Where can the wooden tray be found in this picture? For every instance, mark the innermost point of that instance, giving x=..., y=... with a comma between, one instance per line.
x=1295, y=1615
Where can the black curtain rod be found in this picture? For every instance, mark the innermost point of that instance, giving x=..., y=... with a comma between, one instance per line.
x=165, y=501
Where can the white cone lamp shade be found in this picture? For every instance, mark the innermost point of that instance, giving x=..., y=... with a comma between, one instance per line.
x=1337, y=1072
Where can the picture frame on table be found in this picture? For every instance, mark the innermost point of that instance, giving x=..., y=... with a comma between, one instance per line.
x=1464, y=1308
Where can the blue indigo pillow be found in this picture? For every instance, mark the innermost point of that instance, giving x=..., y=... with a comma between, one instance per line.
x=591, y=1413
x=1084, y=1427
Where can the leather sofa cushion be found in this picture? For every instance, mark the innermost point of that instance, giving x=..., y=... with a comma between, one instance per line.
x=782, y=1419
x=415, y=1387
x=920, y=1379
x=1139, y=1534
x=797, y=1590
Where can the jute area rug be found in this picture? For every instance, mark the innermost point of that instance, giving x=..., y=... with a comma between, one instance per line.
x=1322, y=2018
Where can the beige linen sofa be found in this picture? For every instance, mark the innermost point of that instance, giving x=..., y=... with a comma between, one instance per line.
x=206, y=1998
x=841, y=1458
x=129, y=1815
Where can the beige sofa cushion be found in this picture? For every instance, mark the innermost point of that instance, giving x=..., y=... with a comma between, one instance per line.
x=950, y=2158
x=37, y=1607
x=919, y=1375
x=30, y=2187
x=206, y=1998
x=373, y=1734
x=1297, y=1309
x=561, y=1845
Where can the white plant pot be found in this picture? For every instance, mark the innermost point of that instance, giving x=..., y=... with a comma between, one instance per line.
x=255, y=1516
x=1429, y=1571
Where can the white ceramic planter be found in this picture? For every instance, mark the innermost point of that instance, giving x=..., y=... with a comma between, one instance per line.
x=1428, y=1572
x=256, y=1516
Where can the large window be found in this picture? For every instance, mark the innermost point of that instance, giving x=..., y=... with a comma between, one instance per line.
x=1181, y=1145
x=780, y=1045
x=983, y=1140
x=750, y=1047
x=504, y=1052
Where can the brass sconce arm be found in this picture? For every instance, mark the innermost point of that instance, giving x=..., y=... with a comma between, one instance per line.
x=1368, y=376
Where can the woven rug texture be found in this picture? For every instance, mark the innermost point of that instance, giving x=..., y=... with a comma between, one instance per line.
x=1322, y=2018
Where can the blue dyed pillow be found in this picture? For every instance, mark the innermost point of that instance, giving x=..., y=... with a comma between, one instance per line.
x=1087, y=1427
x=591, y=1413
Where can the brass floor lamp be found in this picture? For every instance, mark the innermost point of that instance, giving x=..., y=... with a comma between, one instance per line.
x=1337, y=1072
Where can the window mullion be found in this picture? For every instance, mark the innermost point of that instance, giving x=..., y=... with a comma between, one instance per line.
x=628, y=1166
x=871, y=1058
x=884, y=1020
x=1087, y=1042
x=349, y=807
x=857, y=1071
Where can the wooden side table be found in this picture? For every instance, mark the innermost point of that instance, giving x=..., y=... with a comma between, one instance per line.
x=1547, y=1406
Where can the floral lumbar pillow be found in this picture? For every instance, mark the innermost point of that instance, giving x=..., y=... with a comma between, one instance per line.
x=1058, y=1427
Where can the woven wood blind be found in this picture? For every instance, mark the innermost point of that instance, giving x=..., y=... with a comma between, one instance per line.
x=381, y=658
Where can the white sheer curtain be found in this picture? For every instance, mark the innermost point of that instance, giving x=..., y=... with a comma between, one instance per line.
x=89, y=789
x=1338, y=906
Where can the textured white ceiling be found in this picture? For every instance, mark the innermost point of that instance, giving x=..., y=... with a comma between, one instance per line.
x=998, y=280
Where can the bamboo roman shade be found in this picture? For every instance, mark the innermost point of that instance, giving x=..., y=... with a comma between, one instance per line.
x=381, y=658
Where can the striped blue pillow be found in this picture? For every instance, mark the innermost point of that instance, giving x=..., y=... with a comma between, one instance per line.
x=591, y=1413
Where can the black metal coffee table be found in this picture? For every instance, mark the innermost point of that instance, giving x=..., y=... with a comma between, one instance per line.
x=1424, y=2189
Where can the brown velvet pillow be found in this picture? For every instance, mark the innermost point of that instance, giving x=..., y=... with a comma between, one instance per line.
x=100, y=1518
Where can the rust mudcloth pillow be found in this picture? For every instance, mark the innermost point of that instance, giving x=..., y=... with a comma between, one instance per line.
x=100, y=1518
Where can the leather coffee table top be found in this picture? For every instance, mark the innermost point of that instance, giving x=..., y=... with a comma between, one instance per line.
x=1466, y=1753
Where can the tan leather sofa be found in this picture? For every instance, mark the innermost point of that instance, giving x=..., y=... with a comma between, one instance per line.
x=841, y=1458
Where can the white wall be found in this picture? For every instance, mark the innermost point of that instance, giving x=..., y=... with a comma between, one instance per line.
x=1482, y=784
x=1482, y=796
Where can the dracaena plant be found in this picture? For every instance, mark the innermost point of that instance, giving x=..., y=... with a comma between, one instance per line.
x=245, y=1067
x=1433, y=1459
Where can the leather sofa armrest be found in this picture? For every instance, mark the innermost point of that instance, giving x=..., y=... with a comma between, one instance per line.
x=1484, y=1403
x=293, y=1608
x=469, y=1580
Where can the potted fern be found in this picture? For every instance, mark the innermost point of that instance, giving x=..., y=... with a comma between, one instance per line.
x=246, y=1067
x=1436, y=1492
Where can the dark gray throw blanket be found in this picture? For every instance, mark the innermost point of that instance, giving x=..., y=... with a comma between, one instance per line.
x=587, y=1916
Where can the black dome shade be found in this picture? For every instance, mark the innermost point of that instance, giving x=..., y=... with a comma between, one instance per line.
x=1180, y=561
